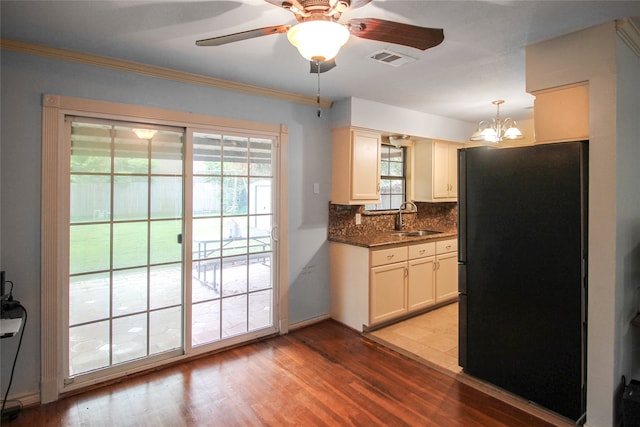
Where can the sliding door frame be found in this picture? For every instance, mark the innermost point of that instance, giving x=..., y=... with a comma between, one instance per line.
x=54, y=224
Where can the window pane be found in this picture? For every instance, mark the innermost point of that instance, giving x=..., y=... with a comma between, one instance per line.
x=260, y=157
x=88, y=298
x=207, y=195
x=260, y=236
x=129, y=244
x=166, y=197
x=234, y=316
x=164, y=241
x=260, y=272
x=90, y=148
x=88, y=347
x=206, y=280
x=206, y=238
x=89, y=248
x=260, y=196
x=396, y=169
x=260, y=309
x=129, y=291
x=235, y=196
x=235, y=236
x=165, y=330
x=131, y=152
x=234, y=275
x=205, y=323
x=235, y=155
x=129, y=338
x=206, y=154
x=166, y=153
x=165, y=286
x=130, y=197
x=90, y=198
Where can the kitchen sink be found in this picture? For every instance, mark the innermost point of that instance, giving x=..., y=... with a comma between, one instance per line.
x=415, y=233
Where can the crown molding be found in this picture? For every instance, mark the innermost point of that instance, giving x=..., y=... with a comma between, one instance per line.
x=628, y=31
x=159, y=72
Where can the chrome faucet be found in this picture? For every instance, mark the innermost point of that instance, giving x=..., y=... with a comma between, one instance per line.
x=399, y=224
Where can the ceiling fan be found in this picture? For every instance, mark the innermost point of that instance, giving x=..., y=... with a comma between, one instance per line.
x=319, y=36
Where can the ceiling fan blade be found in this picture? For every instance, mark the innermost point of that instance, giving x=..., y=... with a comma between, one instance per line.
x=395, y=32
x=324, y=66
x=244, y=35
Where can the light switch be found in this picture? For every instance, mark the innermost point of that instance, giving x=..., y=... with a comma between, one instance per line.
x=316, y=188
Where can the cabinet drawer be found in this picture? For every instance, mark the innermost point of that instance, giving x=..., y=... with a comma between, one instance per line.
x=444, y=246
x=388, y=256
x=422, y=250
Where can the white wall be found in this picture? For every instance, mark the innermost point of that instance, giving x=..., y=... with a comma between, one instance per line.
x=26, y=78
x=628, y=205
x=386, y=118
x=596, y=55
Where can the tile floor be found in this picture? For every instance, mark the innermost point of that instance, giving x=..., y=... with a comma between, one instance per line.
x=432, y=337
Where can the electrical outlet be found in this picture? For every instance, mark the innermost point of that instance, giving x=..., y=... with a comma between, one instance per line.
x=358, y=219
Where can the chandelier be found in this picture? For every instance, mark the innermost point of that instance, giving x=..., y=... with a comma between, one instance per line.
x=497, y=130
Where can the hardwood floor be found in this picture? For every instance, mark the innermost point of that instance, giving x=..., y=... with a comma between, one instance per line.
x=320, y=375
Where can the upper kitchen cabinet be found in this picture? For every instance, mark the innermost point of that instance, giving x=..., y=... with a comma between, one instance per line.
x=435, y=171
x=356, y=167
x=562, y=114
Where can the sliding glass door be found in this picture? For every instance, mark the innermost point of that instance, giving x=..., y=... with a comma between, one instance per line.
x=232, y=225
x=151, y=277
x=125, y=261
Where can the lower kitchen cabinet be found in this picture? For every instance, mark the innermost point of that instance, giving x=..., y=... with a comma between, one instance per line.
x=421, y=277
x=369, y=287
x=388, y=291
x=446, y=270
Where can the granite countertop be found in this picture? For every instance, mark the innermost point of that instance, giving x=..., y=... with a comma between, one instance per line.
x=378, y=239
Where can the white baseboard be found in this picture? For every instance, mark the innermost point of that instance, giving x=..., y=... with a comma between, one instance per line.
x=27, y=400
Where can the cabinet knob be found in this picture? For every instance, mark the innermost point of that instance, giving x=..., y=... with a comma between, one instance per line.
x=390, y=256
x=421, y=251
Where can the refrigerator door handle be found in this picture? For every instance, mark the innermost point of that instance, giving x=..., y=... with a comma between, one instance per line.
x=462, y=278
x=462, y=205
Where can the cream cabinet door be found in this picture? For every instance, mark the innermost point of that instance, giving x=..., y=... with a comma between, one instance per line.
x=355, y=176
x=452, y=170
x=420, y=287
x=446, y=276
x=388, y=292
x=435, y=171
x=440, y=169
x=365, y=168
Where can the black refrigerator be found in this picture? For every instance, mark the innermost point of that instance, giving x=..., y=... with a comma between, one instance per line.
x=522, y=216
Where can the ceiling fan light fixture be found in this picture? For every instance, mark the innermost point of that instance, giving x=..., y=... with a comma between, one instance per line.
x=145, y=133
x=318, y=40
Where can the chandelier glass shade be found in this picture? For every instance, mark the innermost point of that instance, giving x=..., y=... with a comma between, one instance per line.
x=318, y=40
x=497, y=130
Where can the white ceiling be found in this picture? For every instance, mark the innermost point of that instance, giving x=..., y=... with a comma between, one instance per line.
x=480, y=60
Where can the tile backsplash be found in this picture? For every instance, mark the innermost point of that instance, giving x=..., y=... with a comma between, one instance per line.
x=430, y=216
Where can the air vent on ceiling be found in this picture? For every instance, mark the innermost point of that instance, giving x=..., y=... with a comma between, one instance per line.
x=391, y=58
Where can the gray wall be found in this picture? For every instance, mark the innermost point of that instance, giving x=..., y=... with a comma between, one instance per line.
x=26, y=78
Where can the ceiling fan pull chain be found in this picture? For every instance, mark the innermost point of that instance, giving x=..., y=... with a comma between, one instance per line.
x=318, y=95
